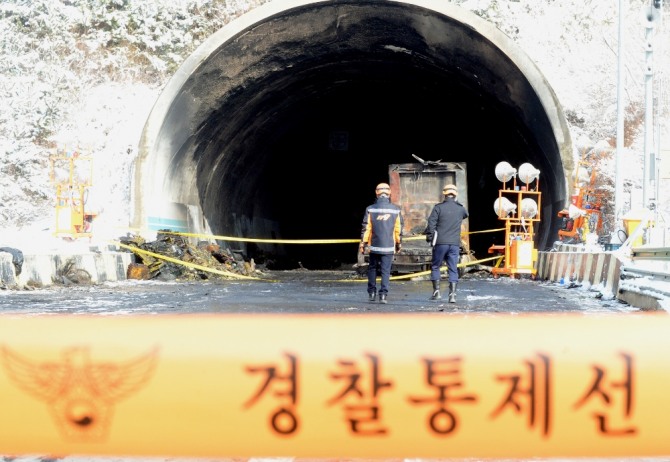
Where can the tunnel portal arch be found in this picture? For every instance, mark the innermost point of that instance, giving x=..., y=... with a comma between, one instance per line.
x=282, y=122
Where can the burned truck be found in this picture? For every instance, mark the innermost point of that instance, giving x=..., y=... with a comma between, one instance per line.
x=416, y=188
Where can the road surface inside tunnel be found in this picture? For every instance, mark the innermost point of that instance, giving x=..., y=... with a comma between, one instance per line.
x=302, y=291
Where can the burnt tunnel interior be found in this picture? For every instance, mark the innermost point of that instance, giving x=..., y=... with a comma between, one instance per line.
x=332, y=150
x=292, y=142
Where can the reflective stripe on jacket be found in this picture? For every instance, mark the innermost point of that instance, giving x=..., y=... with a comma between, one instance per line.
x=382, y=226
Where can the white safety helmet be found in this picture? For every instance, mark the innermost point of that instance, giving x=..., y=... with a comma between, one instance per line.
x=450, y=189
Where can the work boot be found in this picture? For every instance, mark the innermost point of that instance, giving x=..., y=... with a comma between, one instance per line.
x=452, y=292
x=372, y=296
x=436, y=291
x=382, y=298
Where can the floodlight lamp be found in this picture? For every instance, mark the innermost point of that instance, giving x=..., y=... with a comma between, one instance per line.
x=528, y=173
x=528, y=208
x=505, y=172
x=503, y=207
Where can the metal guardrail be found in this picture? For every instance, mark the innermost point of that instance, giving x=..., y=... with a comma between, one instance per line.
x=650, y=262
x=650, y=253
x=639, y=272
x=645, y=278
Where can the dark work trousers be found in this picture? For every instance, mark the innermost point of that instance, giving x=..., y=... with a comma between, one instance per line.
x=384, y=260
x=440, y=253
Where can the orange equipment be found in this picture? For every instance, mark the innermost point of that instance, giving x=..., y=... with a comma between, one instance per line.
x=583, y=216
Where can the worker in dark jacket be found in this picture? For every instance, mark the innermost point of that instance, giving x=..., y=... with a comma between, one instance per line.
x=381, y=236
x=444, y=231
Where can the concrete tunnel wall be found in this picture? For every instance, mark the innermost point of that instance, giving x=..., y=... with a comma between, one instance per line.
x=282, y=122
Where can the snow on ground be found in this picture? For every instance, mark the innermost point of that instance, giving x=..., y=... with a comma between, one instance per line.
x=649, y=278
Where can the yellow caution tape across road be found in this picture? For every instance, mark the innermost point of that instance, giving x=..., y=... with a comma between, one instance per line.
x=269, y=241
x=486, y=231
x=424, y=273
x=284, y=241
x=443, y=268
x=298, y=241
x=336, y=386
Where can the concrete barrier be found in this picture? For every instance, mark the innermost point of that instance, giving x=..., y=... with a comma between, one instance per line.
x=592, y=268
x=45, y=268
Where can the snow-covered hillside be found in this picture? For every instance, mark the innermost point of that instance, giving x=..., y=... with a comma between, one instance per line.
x=85, y=73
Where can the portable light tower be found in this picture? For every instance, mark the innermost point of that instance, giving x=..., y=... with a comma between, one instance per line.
x=519, y=207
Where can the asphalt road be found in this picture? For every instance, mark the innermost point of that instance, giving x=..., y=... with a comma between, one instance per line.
x=301, y=291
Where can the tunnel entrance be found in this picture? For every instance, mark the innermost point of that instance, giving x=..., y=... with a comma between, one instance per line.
x=321, y=173
x=282, y=123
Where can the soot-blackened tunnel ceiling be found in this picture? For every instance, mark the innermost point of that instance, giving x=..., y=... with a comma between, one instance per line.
x=281, y=124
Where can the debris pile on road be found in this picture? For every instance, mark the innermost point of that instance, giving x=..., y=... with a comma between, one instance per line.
x=171, y=257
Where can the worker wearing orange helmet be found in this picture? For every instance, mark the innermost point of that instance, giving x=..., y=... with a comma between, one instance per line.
x=381, y=236
x=444, y=231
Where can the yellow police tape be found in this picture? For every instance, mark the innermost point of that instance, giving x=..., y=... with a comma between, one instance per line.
x=444, y=268
x=486, y=231
x=299, y=241
x=282, y=241
x=239, y=276
x=336, y=386
x=183, y=263
x=270, y=241
x=424, y=273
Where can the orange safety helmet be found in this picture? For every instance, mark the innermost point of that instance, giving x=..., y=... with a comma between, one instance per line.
x=383, y=188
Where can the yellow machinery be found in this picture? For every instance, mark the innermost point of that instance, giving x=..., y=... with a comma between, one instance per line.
x=519, y=207
x=71, y=173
